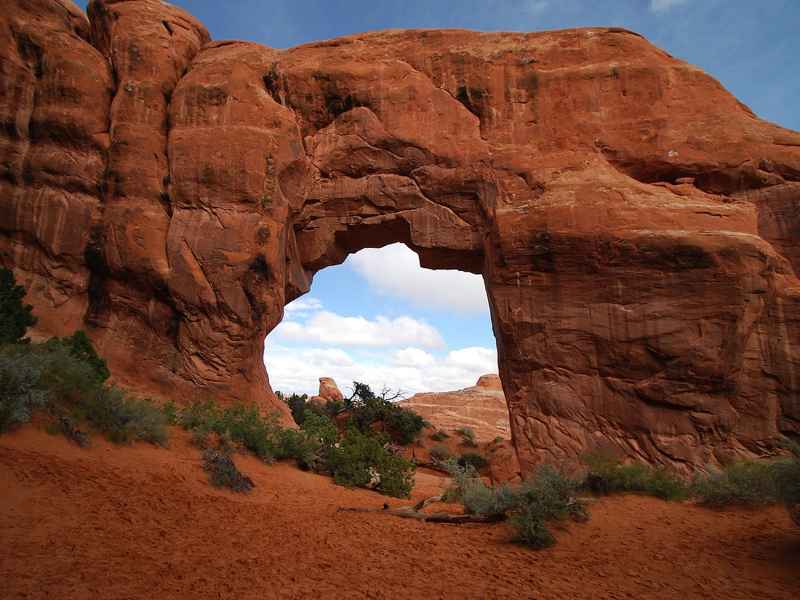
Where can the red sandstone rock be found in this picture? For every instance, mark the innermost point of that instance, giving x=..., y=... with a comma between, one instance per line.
x=481, y=407
x=635, y=224
x=328, y=392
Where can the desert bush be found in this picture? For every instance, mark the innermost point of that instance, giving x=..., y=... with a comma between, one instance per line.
x=366, y=408
x=361, y=459
x=547, y=496
x=473, y=458
x=67, y=427
x=439, y=436
x=15, y=315
x=21, y=389
x=742, y=483
x=480, y=499
x=55, y=376
x=608, y=475
x=402, y=424
x=222, y=471
x=200, y=437
x=297, y=404
x=787, y=481
x=122, y=418
x=440, y=453
x=242, y=424
x=467, y=437
x=80, y=346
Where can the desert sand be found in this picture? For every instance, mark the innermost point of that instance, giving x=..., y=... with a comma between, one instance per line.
x=114, y=522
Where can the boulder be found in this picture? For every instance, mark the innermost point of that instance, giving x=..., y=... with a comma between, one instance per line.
x=329, y=390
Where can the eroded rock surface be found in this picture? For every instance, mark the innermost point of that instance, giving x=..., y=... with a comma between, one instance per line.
x=328, y=392
x=635, y=224
x=481, y=407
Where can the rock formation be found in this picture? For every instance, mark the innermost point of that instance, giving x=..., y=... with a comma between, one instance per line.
x=328, y=392
x=481, y=407
x=637, y=227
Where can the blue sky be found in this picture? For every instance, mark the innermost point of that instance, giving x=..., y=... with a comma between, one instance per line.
x=390, y=324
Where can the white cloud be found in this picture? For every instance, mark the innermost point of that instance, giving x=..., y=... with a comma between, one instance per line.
x=303, y=305
x=410, y=370
x=474, y=358
x=395, y=270
x=535, y=7
x=661, y=6
x=413, y=357
x=325, y=327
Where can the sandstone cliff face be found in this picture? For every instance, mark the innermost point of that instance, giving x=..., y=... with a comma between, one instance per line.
x=636, y=226
x=481, y=407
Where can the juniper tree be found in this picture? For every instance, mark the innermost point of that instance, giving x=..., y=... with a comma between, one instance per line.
x=15, y=316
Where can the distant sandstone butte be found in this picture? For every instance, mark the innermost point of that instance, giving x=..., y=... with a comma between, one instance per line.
x=481, y=407
x=637, y=227
x=328, y=392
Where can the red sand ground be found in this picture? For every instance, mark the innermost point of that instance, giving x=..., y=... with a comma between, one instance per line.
x=142, y=522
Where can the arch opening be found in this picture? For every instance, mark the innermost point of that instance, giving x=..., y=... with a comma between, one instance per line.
x=382, y=318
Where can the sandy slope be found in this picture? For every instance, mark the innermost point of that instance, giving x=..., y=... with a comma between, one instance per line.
x=141, y=522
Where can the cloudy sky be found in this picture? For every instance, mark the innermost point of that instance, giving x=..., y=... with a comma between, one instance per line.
x=415, y=329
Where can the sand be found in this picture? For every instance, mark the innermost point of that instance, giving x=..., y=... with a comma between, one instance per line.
x=142, y=522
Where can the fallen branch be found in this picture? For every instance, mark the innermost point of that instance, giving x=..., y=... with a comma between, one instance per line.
x=408, y=512
x=424, y=503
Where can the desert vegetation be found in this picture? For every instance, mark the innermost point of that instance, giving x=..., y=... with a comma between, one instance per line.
x=354, y=440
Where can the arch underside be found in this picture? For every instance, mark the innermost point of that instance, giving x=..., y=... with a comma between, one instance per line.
x=635, y=225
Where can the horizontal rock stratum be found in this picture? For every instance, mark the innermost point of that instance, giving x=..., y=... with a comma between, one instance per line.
x=636, y=225
x=481, y=407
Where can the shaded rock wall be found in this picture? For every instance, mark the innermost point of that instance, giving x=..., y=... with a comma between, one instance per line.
x=636, y=225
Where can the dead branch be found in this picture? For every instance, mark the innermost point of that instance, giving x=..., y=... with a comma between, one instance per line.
x=408, y=512
x=423, y=503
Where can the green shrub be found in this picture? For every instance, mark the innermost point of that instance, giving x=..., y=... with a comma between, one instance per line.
x=440, y=435
x=480, y=499
x=62, y=376
x=21, y=389
x=171, y=412
x=123, y=418
x=549, y=495
x=67, y=427
x=607, y=475
x=402, y=424
x=742, y=483
x=467, y=437
x=80, y=346
x=787, y=480
x=440, y=453
x=201, y=438
x=297, y=404
x=366, y=408
x=222, y=471
x=241, y=424
x=474, y=459
x=361, y=460
x=15, y=316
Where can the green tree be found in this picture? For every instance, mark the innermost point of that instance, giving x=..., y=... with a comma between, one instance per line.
x=80, y=346
x=15, y=316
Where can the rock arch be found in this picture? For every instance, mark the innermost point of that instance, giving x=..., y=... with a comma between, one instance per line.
x=636, y=225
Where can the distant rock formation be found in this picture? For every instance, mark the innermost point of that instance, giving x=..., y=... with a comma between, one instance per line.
x=328, y=392
x=481, y=407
